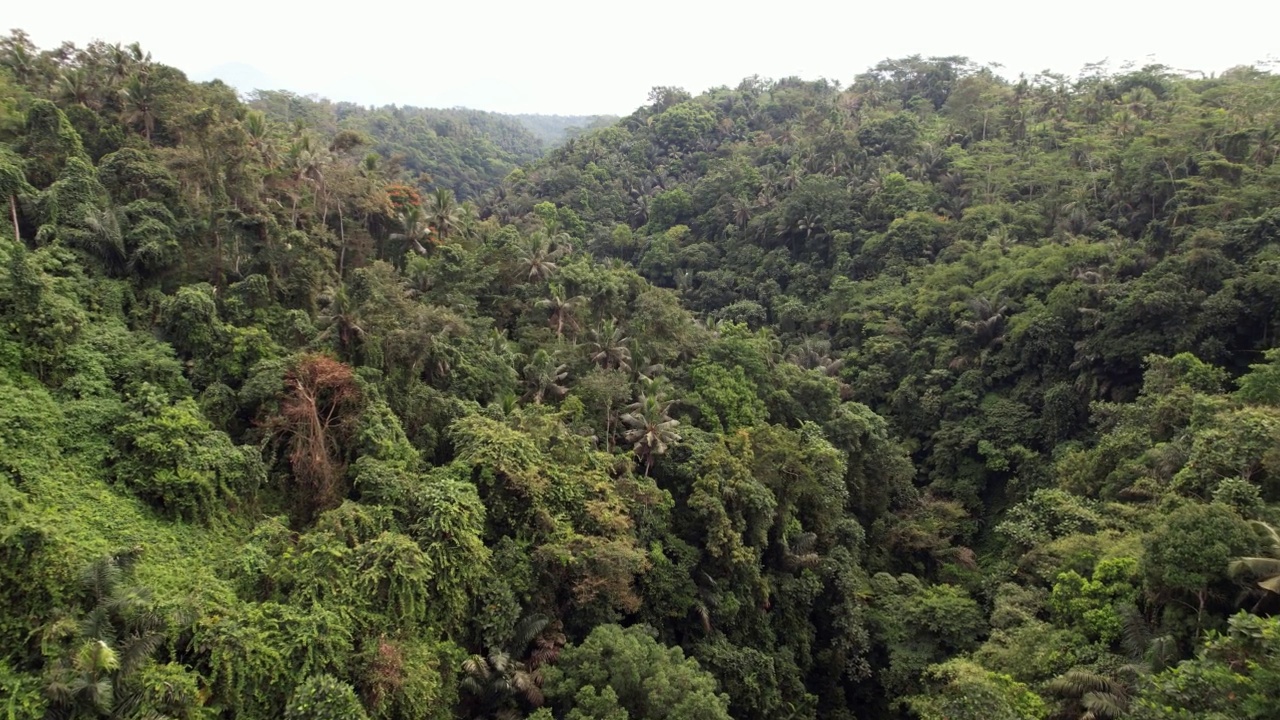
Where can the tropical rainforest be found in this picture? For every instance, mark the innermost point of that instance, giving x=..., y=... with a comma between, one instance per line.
x=938, y=395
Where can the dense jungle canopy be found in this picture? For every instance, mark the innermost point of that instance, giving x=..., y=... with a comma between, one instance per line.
x=938, y=395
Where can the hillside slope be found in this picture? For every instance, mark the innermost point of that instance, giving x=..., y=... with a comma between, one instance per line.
x=938, y=397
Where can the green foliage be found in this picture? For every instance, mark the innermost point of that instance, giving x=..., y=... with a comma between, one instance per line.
x=1261, y=386
x=901, y=397
x=49, y=143
x=324, y=697
x=172, y=458
x=23, y=697
x=726, y=399
x=1048, y=515
x=626, y=673
x=682, y=124
x=1189, y=552
x=1094, y=605
x=1235, y=674
x=961, y=689
x=920, y=625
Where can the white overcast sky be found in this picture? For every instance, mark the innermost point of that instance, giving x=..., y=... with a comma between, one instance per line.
x=579, y=57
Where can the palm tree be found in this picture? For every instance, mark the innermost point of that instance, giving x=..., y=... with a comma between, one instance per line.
x=497, y=683
x=12, y=183
x=120, y=65
x=742, y=212
x=505, y=681
x=986, y=327
x=646, y=372
x=443, y=211
x=1140, y=102
x=307, y=160
x=650, y=428
x=258, y=129
x=415, y=230
x=639, y=211
x=137, y=56
x=814, y=353
x=20, y=60
x=140, y=104
x=341, y=323
x=118, y=635
x=468, y=222
x=1092, y=696
x=543, y=375
x=562, y=310
x=1124, y=122
x=502, y=347
x=1095, y=696
x=100, y=234
x=76, y=87
x=608, y=346
x=1265, y=569
x=1266, y=145
x=989, y=319
x=536, y=257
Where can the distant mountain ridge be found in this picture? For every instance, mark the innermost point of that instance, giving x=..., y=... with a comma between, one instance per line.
x=551, y=129
x=555, y=129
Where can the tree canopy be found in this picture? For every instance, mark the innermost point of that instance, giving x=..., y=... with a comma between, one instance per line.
x=933, y=395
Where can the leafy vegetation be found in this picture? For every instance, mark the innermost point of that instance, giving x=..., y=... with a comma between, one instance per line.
x=935, y=396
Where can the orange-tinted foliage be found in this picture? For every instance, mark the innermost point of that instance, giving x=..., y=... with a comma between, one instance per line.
x=317, y=416
x=402, y=197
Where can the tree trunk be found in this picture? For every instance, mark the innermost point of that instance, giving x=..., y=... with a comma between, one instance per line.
x=13, y=213
x=342, y=239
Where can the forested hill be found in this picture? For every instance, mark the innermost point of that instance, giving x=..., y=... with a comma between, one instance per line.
x=975, y=259
x=466, y=151
x=938, y=396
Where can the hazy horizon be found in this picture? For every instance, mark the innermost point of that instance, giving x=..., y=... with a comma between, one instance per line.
x=574, y=58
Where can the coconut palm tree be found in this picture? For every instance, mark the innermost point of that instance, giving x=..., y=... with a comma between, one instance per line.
x=100, y=234
x=502, y=347
x=543, y=375
x=342, y=324
x=13, y=182
x=562, y=310
x=536, y=257
x=443, y=211
x=415, y=230
x=650, y=429
x=1266, y=145
x=1264, y=569
x=468, y=224
x=742, y=211
x=19, y=58
x=307, y=159
x=75, y=86
x=258, y=128
x=608, y=346
x=1091, y=695
x=814, y=353
x=140, y=103
x=987, y=325
x=119, y=65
